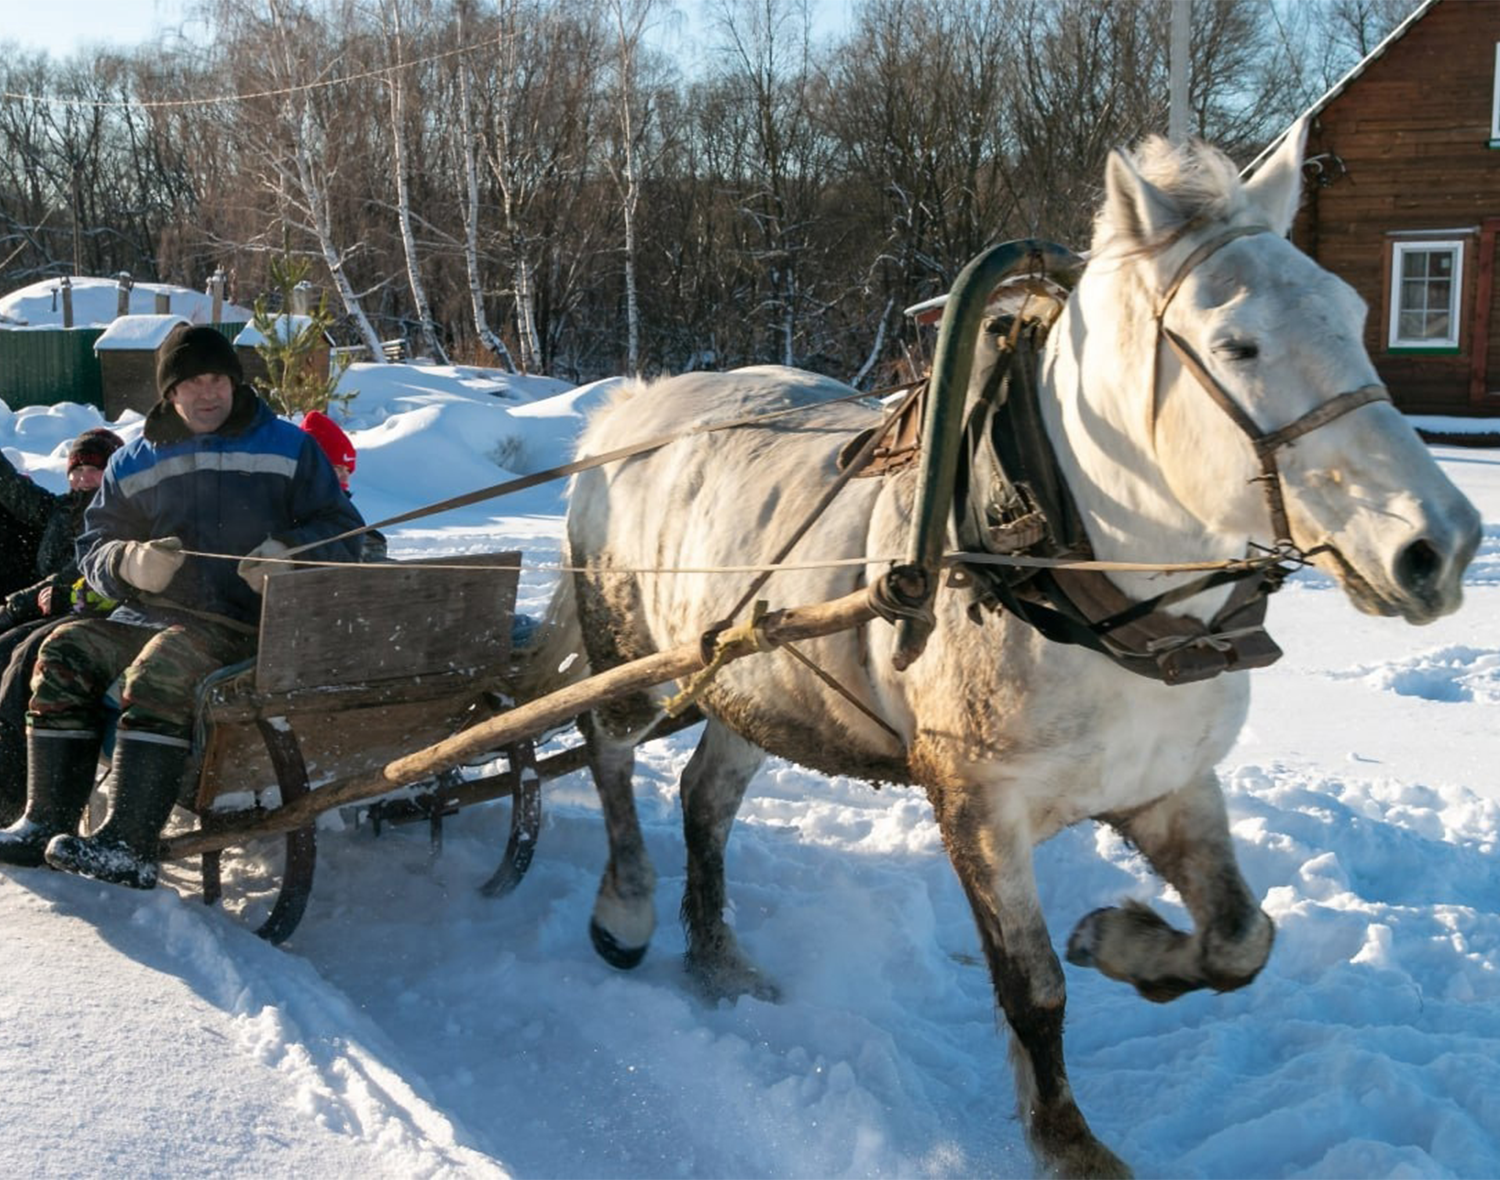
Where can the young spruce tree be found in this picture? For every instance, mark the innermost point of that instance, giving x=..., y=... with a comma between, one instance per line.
x=296, y=382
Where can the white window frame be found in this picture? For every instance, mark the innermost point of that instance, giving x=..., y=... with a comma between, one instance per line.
x=1495, y=102
x=1399, y=250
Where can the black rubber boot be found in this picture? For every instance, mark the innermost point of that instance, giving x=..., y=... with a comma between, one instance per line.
x=148, y=774
x=12, y=774
x=59, y=777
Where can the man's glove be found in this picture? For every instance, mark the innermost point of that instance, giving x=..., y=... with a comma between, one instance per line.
x=150, y=565
x=256, y=572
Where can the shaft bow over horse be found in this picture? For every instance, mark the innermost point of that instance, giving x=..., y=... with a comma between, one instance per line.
x=1195, y=391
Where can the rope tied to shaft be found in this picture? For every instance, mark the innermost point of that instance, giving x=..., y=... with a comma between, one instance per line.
x=727, y=643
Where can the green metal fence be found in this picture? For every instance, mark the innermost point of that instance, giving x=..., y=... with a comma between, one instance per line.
x=44, y=366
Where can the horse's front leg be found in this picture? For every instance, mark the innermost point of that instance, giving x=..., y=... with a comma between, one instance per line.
x=1185, y=836
x=713, y=785
x=624, y=916
x=988, y=838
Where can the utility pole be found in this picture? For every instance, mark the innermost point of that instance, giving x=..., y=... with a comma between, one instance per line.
x=77, y=229
x=1178, y=66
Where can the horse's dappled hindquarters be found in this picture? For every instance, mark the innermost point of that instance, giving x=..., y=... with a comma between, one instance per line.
x=1014, y=736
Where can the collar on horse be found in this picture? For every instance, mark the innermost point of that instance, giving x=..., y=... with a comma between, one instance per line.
x=1010, y=499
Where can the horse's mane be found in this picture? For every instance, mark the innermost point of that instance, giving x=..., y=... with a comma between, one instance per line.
x=1201, y=181
x=590, y=440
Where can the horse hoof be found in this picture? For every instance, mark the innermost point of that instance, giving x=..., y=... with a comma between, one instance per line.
x=719, y=981
x=612, y=952
x=1084, y=939
x=1065, y=1147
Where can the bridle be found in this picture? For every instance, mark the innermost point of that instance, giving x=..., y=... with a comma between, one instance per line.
x=1266, y=443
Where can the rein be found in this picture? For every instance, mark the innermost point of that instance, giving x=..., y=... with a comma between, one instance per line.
x=521, y=483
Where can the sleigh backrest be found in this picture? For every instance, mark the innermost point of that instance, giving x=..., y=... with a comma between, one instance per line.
x=367, y=624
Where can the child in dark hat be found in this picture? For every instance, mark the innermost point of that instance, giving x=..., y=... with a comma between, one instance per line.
x=60, y=519
x=91, y=451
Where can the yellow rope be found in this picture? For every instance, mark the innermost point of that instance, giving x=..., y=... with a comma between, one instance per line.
x=748, y=637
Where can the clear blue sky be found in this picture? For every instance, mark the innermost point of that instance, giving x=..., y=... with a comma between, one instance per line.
x=62, y=27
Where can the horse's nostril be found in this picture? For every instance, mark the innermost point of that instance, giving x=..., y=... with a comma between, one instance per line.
x=1418, y=566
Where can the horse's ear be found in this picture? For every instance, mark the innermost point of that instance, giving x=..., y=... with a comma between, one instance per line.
x=1134, y=207
x=1276, y=187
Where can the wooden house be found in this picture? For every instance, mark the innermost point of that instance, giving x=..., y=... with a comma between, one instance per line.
x=127, y=361
x=1402, y=201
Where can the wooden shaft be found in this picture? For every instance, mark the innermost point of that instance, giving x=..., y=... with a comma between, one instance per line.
x=528, y=720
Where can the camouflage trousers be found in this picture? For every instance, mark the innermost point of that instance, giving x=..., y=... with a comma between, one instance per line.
x=159, y=671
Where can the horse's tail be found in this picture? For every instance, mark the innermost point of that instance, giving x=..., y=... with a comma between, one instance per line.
x=555, y=656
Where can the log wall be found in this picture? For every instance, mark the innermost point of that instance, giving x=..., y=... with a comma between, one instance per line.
x=1407, y=147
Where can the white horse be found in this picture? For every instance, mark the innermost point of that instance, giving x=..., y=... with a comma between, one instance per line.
x=1014, y=736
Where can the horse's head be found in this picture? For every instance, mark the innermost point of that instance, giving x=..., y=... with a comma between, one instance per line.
x=1252, y=386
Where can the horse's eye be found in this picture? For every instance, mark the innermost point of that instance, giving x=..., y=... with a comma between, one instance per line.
x=1237, y=350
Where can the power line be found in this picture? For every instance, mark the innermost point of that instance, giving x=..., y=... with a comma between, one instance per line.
x=219, y=100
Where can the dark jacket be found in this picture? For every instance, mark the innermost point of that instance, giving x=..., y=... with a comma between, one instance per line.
x=52, y=521
x=18, y=545
x=257, y=476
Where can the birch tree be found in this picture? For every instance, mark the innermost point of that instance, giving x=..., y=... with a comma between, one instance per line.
x=634, y=111
x=285, y=137
x=513, y=163
x=468, y=146
x=395, y=83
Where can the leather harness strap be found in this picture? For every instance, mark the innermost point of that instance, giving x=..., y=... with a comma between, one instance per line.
x=1265, y=442
x=1189, y=264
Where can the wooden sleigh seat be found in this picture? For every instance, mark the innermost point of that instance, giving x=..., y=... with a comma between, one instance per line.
x=358, y=665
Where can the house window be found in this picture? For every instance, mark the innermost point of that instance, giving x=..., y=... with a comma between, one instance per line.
x=1426, y=282
x=1495, y=103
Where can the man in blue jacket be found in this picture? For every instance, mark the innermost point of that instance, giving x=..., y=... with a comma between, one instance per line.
x=214, y=473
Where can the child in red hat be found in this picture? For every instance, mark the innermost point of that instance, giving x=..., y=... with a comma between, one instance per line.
x=334, y=443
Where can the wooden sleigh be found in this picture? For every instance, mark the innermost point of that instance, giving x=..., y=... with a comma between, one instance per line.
x=356, y=665
x=375, y=684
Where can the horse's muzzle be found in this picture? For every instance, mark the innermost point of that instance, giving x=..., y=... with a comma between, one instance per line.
x=1428, y=572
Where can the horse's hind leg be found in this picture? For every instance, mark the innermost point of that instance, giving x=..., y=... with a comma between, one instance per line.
x=1185, y=836
x=624, y=915
x=992, y=856
x=713, y=784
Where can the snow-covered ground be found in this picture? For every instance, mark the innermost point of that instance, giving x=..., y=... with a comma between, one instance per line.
x=413, y=1028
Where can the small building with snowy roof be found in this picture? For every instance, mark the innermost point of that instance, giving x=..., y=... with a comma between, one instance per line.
x=127, y=361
